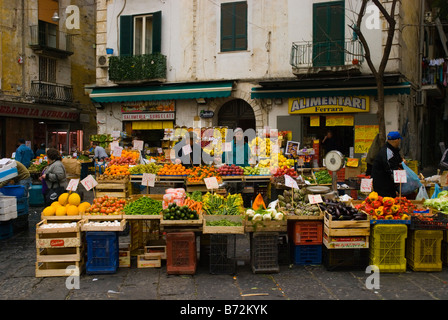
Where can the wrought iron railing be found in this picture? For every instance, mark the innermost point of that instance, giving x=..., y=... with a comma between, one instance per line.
x=53, y=93
x=330, y=53
x=41, y=38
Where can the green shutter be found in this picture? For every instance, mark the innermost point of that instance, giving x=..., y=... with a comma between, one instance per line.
x=126, y=35
x=234, y=26
x=157, y=32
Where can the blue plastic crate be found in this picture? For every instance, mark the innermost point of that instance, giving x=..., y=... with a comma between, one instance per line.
x=6, y=230
x=17, y=191
x=308, y=254
x=36, y=197
x=385, y=221
x=102, y=252
x=22, y=204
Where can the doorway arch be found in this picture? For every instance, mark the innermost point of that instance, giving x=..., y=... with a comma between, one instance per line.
x=237, y=113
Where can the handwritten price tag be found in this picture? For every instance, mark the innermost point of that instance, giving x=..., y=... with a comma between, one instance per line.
x=148, y=179
x=117, y=151
x=186, y=149
x=290, y=182
x=89, y=182
x=138, y=144
x=211, y=183
x=400, y=176
x=315, y=198
x=366, y=185
x=73, y=185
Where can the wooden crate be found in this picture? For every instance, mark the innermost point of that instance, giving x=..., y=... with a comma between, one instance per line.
x=104, y=217
x=59, y=269
x=57, y=237
x=263, y=226
x=144, y=261
x=355, y=242
x=85, y=227
x=155, y=252
x=119, y=190
x=62, y=218
x=195, y=225
x=223, y=229
x=65, y=254
x=345, y=228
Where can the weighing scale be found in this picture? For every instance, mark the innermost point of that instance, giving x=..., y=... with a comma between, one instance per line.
x=334, y=161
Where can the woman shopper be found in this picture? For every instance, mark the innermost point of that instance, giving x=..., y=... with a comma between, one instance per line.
x=54, y=177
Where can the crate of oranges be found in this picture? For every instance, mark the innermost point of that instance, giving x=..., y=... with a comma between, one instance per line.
x=115, y=173
x=199, y=173
x=173, y=170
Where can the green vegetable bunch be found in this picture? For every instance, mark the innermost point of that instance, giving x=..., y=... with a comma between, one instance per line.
x=143, y=205
x=323, y=177
x=224, y=223
x=175, y=212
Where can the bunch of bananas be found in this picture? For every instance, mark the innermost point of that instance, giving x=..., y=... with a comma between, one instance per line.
x=260, y=147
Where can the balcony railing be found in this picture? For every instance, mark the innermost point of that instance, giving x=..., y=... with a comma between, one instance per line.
x=58, y=42
x=141, y=68
x=52, y=93
x=309, y=54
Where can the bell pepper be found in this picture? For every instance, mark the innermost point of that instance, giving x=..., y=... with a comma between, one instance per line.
x=388, y=201
x=405, y=217
x=379, y=212
x=373, y=196
x=376, y=204
x=389, y=217
x=395, y=208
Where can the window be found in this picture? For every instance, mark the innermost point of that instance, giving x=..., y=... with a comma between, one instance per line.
x=328, y=33
x=47, y=34
x=140, y=34
x=234, y=26
x=47, y=69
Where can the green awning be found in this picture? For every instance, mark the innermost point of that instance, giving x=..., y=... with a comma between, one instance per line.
x=271, y=93
x=162, y=92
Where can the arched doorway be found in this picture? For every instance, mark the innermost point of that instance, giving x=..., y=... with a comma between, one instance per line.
x=236, y=113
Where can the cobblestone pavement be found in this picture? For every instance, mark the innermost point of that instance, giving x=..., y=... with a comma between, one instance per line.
x=292, y=282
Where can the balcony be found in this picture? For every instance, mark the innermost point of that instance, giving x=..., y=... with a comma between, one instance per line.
x=331, y=57
x=137, y=69
x=51, y=93
x=53, y=43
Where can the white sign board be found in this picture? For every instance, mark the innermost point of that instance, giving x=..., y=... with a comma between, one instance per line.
x=186, y=149
x=117, y=151
x=89, y=182
x=72, y=185
x=211, y=183
x=148, y=179
x=138, y=144
x=400, y=176
x=315, y=198
x=290, y=182
x=366, y=185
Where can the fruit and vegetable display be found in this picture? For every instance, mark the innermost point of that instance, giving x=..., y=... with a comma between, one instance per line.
x=323, y=177
x=175, y=212
x=262, y=214
x=127, y=157
x=260, y=146
x=68, y=204
x=296, y=202
x=388, y=208
x=281, y=171
x=171, y=169
x=143, y=205
x=440, y=203
x=102, y=139
x=342, y=211
x=106, y=205
x=230, y=170
x=115, y=172
x=195, y=195
x=223, y=223
x=256, y=171
x=193, y=204
x=216, y=204
x=145, y=168
x=199, y=173
x=37, y=167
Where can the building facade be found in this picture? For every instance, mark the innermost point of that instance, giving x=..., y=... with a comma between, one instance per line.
x=44, y=66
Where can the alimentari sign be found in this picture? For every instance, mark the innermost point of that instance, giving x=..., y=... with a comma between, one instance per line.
x=329, y=104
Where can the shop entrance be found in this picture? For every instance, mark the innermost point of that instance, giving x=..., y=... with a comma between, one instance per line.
x=236, y=113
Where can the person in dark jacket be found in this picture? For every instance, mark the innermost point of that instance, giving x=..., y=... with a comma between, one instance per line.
x=386, y=161
x=373, y=151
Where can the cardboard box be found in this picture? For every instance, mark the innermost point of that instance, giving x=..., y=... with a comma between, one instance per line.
x=352, y=172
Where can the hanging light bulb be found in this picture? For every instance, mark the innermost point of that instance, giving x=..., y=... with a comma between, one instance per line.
x=55, y=17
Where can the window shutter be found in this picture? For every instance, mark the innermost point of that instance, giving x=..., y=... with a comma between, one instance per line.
x=234, y=26
x=126, y=35
x=241, y=26
x=157, y=32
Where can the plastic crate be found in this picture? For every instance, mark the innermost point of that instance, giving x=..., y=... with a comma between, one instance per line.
x=17, y=191
x=222, y=254
x=102, y=252
x=284, y=250
x=439, y=222
x=345, y=259
x=387, y=247
x=22, y=205
x=36, y=197
x=6, y=230
x=181, y=253
x=307, y=232
x=424, y=250
x=264, y=252
x=308, y=254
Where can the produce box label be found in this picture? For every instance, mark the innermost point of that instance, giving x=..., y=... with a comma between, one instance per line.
x=211, y=183
x=57, y=243
x=73, y=185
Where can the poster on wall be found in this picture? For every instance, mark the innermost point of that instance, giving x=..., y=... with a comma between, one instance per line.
x=292, y=148
x=364, y=136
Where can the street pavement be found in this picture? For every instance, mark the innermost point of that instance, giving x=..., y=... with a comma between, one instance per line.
x=291, y=283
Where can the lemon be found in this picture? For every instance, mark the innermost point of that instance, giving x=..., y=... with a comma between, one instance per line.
x=83, y=206
x=61, y=211
x=72, y=210
x=49, y=211
x=63, y=198
x=74, y=199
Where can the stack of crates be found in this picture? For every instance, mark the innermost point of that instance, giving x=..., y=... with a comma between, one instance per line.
x=8, y=212
x=222, y=254
x=424, y=250
x=181, y=253
x=307, y=242
x=102, y=252
x=264, y=252
x=387, y=247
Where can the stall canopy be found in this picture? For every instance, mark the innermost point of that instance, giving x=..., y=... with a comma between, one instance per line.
x=328, y=87
x=193, y=90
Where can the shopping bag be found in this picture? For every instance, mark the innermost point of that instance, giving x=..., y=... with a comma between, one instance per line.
x=436, y=192
x=412, y=181
x=422, y=194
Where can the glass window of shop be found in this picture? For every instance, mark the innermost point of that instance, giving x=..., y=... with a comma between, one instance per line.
x=64, y=139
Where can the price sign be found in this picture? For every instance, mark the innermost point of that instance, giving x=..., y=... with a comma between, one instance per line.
x=300, y=162
x=148, y=179
x=290, y=182
x=186, y=149
x=227, y=147
x=400, y=176
x=114, y=144
x=211, y=183
x=117, y=151
x=159, y=150
x=115, y=134
x=138, y=144
x=72, y=185
x=366, y=185
x=315, y=198
x=89, y=182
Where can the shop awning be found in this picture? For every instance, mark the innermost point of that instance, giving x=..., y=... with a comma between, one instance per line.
x=272, y=93
x=193, y=90
x=152, y=125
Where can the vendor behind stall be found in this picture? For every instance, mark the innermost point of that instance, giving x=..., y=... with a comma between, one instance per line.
x=100, y=152
x=239, y=154
x=23, y=178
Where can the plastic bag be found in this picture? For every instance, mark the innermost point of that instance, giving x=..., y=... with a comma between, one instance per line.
x=413, y=181
x=422, y=194
x=436, y=192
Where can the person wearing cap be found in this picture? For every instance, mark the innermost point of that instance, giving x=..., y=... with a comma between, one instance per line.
x=386, y=161
x=24, y=154
x=239, y=153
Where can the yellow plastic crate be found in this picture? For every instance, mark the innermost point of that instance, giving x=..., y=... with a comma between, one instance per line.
x=387, y=247
x=424, y=250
